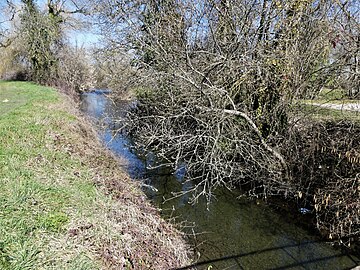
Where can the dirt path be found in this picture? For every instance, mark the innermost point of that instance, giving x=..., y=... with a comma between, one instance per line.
x=346, y=106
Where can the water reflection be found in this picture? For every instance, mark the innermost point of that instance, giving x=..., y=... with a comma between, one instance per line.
x=103, y=110
x=232, y=234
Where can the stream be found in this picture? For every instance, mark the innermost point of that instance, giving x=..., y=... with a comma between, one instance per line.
x=232, y=233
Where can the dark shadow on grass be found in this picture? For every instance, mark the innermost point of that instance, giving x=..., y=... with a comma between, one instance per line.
x=16, y=76
x=297, y=263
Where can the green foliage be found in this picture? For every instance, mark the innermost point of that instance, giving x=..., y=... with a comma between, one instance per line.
x=4, y=257
x=143, y=92
x=41, y=34
x=331, y=94
x=40, y=52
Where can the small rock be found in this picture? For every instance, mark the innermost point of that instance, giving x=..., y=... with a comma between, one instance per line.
x=5, y=100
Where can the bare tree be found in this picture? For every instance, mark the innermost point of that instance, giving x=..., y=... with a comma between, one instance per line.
x=224, y=76
x=7, y=11
x=346, y=45
x=40, y=50
x=222, y=79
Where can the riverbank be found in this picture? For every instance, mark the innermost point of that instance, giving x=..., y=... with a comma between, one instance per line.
x=65, y=204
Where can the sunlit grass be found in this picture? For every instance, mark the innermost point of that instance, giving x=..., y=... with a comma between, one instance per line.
x=327, y=106
x=333, y=96
x=327, y=114
x=55, y=209
x=35, y=206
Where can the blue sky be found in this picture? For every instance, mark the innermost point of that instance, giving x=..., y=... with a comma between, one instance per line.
x=79, y=38
x=83, y=38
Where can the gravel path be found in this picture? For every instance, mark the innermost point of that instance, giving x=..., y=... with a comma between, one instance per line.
x=346, y=106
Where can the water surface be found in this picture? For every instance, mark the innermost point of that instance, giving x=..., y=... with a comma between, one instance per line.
x=229, y=233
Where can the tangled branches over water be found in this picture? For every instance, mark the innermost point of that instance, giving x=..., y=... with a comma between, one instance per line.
x=219, y=80
x=325, y=164
x=218, y=147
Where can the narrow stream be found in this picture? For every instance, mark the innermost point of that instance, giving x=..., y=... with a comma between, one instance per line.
x=233, y=233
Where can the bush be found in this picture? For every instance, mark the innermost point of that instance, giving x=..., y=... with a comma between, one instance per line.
x=324, y=162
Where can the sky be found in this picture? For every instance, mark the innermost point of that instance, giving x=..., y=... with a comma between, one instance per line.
x=81, y=38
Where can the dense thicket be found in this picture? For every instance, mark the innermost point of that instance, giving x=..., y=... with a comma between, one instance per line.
x=34, y=45
x=325, y=164
x=218, y=88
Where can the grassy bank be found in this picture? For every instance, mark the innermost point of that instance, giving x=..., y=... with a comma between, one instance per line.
x=64, y=202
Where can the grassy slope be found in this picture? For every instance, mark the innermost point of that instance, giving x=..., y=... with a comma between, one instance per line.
x=64, y=204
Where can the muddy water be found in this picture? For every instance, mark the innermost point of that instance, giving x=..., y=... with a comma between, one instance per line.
x=230, y=233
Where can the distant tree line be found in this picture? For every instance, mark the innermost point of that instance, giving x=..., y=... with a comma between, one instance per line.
x=34, y=45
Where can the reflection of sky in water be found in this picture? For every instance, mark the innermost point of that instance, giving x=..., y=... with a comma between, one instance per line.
x=102, y=109
x=245, y=235
x=120, y=146
x=94, y=105
x=180, y=172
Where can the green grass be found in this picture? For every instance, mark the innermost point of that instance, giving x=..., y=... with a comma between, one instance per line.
x=334, y=96
x=34, y=205
x=329, y=96
x=326, y=114
x=52, y=214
